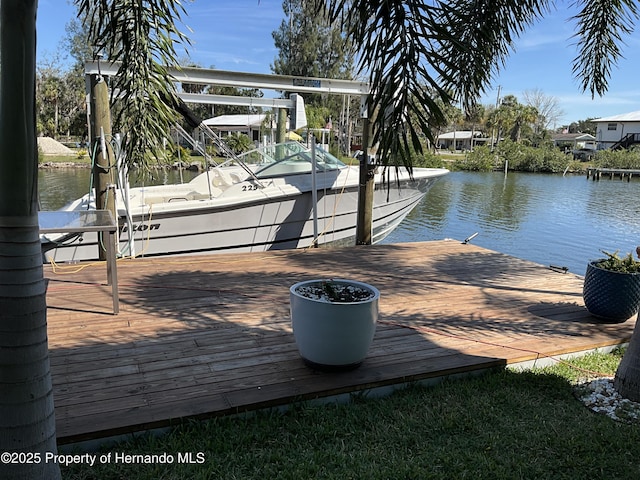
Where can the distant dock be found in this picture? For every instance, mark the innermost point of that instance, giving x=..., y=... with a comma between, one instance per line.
x=622, y=173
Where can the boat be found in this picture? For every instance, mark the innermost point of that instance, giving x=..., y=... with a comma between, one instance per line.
x=261, y=200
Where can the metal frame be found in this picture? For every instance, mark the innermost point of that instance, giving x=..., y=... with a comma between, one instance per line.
x=262, y=81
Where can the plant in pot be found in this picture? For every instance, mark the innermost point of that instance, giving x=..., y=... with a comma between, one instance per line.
x=611, y=288
x=333, y=321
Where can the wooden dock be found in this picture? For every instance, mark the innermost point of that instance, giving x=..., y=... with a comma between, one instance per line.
x=624, y=173
x=203, y=336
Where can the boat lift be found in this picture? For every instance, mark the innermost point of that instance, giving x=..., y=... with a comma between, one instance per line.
x=282, y=83
x=261, y=81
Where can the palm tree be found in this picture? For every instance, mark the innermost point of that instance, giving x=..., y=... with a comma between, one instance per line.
x=141, y=35
x=27, y=421
x=415, y=51
x=523, y=115
x=475, y=116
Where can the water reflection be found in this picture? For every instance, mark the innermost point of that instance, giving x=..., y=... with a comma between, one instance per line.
x=616, y=201
x=549, y=219
x=59, y=186
x=501, y=205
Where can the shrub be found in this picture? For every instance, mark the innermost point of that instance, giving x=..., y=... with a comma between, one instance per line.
x=617, y=159
x=511, y=152
x=180, y=153
x=427, y=160
x=615, y=263
x=554, y=161
x=481, y=159
x=238, y=142
x=524, y=158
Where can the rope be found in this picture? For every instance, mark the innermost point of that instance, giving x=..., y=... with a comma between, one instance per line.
x=333, y=214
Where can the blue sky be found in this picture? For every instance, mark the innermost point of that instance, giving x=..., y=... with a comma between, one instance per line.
x=236, y=35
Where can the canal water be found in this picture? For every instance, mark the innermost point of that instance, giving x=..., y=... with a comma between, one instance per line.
x=549, y=219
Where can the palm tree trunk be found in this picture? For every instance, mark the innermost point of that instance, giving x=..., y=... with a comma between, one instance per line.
x=27, y=422
x=627, y=379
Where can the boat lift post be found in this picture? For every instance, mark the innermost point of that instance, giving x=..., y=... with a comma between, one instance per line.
x=314, y=191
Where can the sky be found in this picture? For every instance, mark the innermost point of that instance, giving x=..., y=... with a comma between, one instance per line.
x=236, y=35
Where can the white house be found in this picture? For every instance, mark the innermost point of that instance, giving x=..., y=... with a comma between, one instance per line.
x=574, y=141
x=460, y=140
x=249, y=124
x=618, y=131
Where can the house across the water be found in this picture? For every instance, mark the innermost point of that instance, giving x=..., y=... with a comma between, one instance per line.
x=618, y=131
x=461, y=140
x=581, y=145
x=248, y=124
x=574, y=141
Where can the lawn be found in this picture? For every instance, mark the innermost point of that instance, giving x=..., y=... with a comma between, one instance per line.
x=504, y=424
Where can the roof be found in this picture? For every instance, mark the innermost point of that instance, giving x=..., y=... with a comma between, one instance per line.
x=572, y=136
x=459, y=135
x=254, y=120
x=623, y=117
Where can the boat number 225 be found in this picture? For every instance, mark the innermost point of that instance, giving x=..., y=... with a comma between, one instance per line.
x=250, y=187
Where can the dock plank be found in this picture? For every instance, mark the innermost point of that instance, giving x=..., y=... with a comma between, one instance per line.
x=203, y=336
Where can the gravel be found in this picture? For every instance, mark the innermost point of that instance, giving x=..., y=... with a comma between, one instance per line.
x=600, y=396
x=50, y=146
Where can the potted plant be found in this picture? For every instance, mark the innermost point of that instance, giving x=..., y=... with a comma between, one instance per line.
x=333, y=321
x=611, y=288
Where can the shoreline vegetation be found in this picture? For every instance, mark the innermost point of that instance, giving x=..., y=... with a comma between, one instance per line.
x=516, y=157
x=508, y=155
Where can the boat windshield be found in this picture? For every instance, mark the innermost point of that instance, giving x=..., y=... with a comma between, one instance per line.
x=289, y=159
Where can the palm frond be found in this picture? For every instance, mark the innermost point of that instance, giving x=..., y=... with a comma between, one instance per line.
x=421, y=54
x=602, y=26
x=142, y=35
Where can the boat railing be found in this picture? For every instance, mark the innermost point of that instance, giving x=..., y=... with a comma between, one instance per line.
x=215, y=139
x=195, y=145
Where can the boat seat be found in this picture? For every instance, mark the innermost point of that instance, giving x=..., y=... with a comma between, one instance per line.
x=235, y=177
x=215, y=192
x=221, y=178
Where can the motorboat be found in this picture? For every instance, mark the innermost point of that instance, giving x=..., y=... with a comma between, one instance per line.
x=261, y=200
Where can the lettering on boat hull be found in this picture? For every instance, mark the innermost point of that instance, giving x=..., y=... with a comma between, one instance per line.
x=140, y=227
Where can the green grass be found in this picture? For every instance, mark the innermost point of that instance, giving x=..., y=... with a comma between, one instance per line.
x=502, y=425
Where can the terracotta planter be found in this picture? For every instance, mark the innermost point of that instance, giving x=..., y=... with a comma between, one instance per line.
x=333, y=335
x=609, y=295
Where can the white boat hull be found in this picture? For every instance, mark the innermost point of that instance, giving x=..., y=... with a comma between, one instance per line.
x=278, y=215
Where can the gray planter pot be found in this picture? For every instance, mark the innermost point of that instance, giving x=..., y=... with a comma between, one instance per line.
x=611, y=296
x=333, y=336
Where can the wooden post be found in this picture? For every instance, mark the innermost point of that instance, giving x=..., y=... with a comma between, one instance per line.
x=281, y=131
x=102, y=168
x=364, y=225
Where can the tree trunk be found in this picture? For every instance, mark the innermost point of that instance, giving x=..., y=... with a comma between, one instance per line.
x=27, y=421
x=627, y=379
